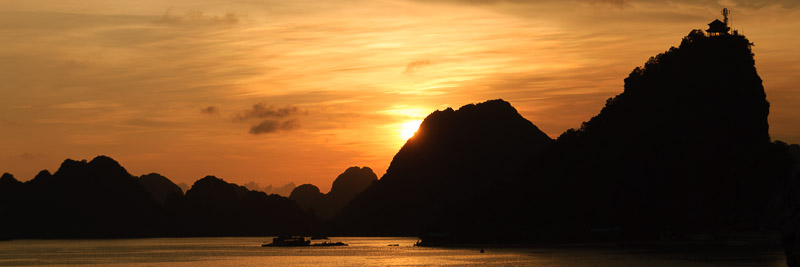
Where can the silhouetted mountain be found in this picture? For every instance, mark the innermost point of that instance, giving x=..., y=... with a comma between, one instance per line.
x=352, y=182
x=253, y=186
x=159, y=187
x=209, y=207
x=10, y=189
x=8, y=180
x=82, y=199
x=307, y=196
x=453, y=157
x=214, y=207
x=345, y=187
x=100, y=199
x=239, y=190
x=274, y=214
x=794, y=150
x=211, y=194
x=184, y=187
x=284, y=190
x=683, y=149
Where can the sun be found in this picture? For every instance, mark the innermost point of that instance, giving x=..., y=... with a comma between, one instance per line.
x=409, y=128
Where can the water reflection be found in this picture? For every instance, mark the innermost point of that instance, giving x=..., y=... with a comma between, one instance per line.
x=362, y=251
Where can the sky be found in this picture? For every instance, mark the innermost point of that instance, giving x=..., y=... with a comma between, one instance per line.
x=297, y=91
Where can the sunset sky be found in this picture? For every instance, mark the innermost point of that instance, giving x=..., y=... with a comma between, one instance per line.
x=297, y=91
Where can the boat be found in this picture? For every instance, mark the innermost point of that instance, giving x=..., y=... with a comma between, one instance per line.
x=329, y=244
x=288, y=241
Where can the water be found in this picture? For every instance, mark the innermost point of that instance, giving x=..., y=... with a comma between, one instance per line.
x=363, y=251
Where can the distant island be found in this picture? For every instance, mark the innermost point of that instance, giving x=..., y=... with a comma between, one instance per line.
x=346, y=186
x=681, y=156
x=100, y=199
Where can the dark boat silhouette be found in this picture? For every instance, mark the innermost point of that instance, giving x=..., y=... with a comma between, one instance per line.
x=329, y=244
x=288, y=241
x=298, y=241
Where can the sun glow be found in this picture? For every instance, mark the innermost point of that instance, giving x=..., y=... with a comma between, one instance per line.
x=409, y=128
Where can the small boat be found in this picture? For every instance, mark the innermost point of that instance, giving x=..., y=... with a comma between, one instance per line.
x=288, y=241
x=329, y=244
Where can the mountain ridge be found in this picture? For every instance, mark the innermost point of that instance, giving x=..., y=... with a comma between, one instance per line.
x=344, y=188
x=426, y=175
x=100, y=199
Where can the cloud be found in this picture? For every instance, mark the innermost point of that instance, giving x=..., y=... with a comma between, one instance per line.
x=196, y=17
x=88, y=104
x=271, y=126
x=417, y=65
x=612, y=3
x=28, y=156
x=749, y=4
x=478, y=2
x=261, y=111
x=290, y=125
x=9, y=123
x=210, y=110
x=267, y=126
x=624, y=3
x=270, y=119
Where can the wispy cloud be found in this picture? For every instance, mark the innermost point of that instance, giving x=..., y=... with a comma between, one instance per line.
x=262, y=110
x=88, y=105
x=611, y=3
x=196, y=17
x=271, y=126
x=270, y=119
x=417, y=66
x=480, y=2
x=29, y=156
x=210, y=110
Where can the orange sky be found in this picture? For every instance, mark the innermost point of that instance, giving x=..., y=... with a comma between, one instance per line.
x=297, y=91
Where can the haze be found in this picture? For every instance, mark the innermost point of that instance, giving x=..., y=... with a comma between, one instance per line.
x=297, y=91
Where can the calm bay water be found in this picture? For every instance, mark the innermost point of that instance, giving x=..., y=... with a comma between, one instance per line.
x=362, y=251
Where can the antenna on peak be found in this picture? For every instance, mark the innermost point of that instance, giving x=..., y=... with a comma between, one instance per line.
x=725, y=13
